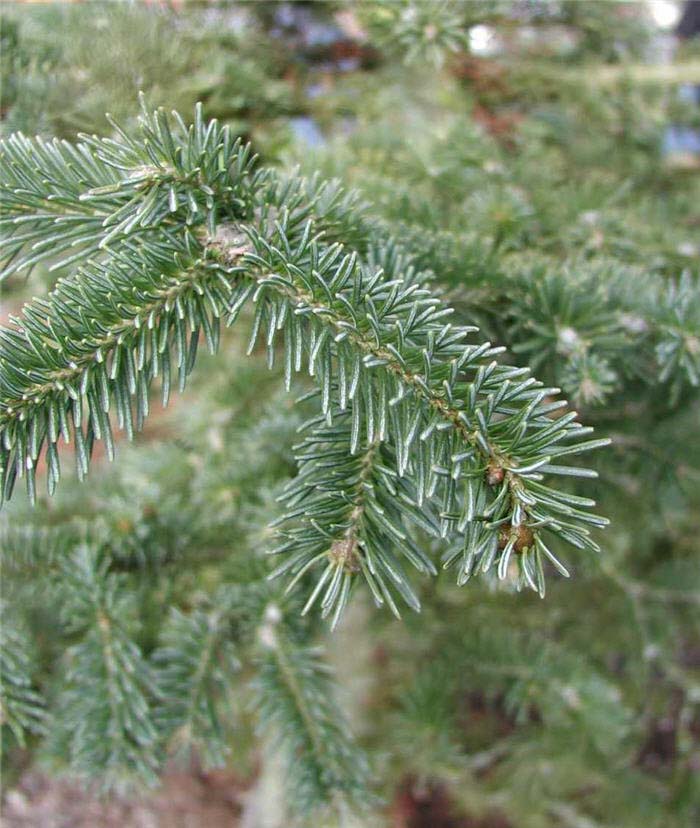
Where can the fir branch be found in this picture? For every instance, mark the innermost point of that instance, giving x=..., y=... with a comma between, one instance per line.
x=678, y=349
x=376, y=342
x=348, y=514
x=538, y=682
x=296, y=705
x=41, y=211
x=103, y=193
x=27, y=548
x=99, y=339
x=104, y=707
x=196, y=662
x=21, y=706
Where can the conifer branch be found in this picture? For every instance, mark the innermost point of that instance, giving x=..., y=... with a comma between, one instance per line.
x=105, y=713
x=21, y=706
x=473, y=437
x=294, y=700
x=348, y=514
x=195, y=663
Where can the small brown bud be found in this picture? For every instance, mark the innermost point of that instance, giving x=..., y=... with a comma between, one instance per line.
x=524, y=537
x=344, y=553
x=494, y=474
x=229, y=243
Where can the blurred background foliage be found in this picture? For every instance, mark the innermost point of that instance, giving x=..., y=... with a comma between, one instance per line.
x=525, y=153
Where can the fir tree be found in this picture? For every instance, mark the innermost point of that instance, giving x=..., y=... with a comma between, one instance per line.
x=142, y=617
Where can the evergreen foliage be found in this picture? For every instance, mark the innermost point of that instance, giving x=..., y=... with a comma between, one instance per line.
x=103, y=712
x=197, y=663
x=297, y=709
x=22, y=708
x=61, y=62
x=190, y=234
x=179, y=603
